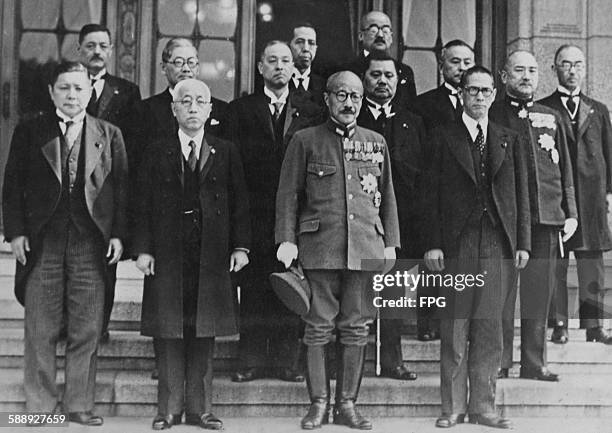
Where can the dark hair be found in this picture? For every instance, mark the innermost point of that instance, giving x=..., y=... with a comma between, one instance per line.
x=66, y=66
x=457, y=43
x=172, y=44
x=563, y=47
x=91, y=28
x=301, y=24
x=477, y=69
x=269, y=44
x=380, y=56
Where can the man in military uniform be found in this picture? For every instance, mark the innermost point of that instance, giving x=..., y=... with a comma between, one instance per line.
x=553, y=209
x=405, y=136
x=335, y=209
x=376, y=35
x=589, y=138
x=479, y=220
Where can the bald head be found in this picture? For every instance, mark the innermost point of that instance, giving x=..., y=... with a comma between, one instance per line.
x=376, y=32
x=191, y=105
x=343, y=97
x=520, y=74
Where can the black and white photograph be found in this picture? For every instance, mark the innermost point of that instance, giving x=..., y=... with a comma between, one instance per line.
x=271, y=216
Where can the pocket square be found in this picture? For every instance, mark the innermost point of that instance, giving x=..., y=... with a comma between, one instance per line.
x=214, y=122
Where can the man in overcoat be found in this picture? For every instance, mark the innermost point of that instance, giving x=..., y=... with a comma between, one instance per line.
x=64, y=205
x=335, y=213
x=589, y=138
x=261, y=124
x=192, y=229
x=404, y=133
x=479, y=224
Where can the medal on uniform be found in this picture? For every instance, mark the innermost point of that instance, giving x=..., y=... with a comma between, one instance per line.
x=348, y=156
x=377, y=199
x=369, y=183
x=554, y=155
x=522, y=114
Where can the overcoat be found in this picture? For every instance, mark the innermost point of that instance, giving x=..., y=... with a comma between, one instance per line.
x=453, y=189
x=591, y=154
x=32, y=183
x=225, y=226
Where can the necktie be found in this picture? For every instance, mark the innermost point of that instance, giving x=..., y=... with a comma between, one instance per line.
x=458, y=108
x=480, y=141
x=301, y=84
x=192, y=161
x=278, y=107
x=91, y=106
x=68, y=139
x=571, y=105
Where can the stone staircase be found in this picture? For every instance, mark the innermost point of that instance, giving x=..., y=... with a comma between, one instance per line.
x=125, y=388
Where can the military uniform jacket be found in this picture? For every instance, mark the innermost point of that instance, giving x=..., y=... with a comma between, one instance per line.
x=551, y=186
x=591, y=154
x=338, y=211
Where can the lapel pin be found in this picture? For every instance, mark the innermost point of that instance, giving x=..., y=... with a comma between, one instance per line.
x=116, y=92
x=405, y=125
x=98, y=144
x=504, y=144
x=403, y=81
x=212, y=150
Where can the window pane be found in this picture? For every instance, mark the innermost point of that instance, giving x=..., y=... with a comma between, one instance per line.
x=218, y=17
x=421, y=22
x=77, y=13
x=176, y=17
x=425, y=69
x=40, y=14
x=38, y=47
x=69, y=47
x=459, y=21
x=38, y=55
x=217, y=68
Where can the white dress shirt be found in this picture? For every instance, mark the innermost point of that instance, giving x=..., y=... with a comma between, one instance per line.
x=305, y=77
x=75, y=128
x=471, y=125
x=185, y=139
x=454, y=95
x=273, y=99
x=375, y=107
x=575, y=92
x=99, y=82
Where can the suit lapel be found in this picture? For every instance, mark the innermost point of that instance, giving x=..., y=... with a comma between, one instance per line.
x=207, y=157
x=107, y=94
x=50, y=148
x=458, y=145
x=496, y=147
x=584, y=115
x=558, y=105
x=291, y=113
x=262, y=111
x=94, y=145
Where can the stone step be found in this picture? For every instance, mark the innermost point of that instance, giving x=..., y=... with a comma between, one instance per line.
x=130, y=351
x=133, y=393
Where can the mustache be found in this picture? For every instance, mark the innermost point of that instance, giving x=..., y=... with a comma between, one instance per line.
x=379, y=39
x=347, y=110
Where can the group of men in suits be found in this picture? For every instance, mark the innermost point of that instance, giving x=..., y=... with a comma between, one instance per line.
x=477, y=186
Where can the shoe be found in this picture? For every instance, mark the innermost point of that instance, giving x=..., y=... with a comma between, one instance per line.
x=161, y=422
x=400, y=372
x=560, y=335
x=598, y=335
x=317, y=382
x=490, y=420
x=539, y=374
x=248, y=374
x=207, y=421
x=85, y=418
x=290, y=375
x=503, y=373
x=447, y=421
x=428, y=335
x=104, y=337
x=155, y=374
x=350, y=371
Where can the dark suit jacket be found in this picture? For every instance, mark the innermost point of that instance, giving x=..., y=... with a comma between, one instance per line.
x=32, y=182
x=453, y=191
x=591, y=154
x=316, y=87
x=117, y=101
x=225, y=226
x=406, y=89
x=405, y=136
x=435, y=107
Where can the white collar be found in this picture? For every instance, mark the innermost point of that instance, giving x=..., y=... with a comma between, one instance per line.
x=171, y=90
x=452, y=89
x=575, y=92
x=471, y=125
x=98, y=76
x=273, y=99
x=76, y=119
x=366, y=53
x=185, y=139
x=375, y=107
x=297, y=74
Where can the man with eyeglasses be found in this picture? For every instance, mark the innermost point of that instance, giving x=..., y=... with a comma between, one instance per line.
x=336, y=214
x=589, y=138
x=192, y=230
x=478, y=212
x=376, y=35
x=261, y=124
x=553, y=211
x=112, y=99
x=405, y=136
x=304, y=81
